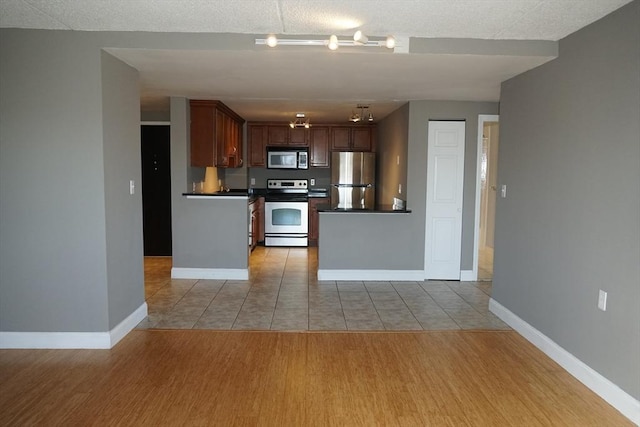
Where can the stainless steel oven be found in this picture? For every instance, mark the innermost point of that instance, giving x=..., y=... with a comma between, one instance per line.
x=286, y=220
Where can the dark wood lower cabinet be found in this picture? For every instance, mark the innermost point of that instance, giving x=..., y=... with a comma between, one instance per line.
x=256, y=212
x=314, y=223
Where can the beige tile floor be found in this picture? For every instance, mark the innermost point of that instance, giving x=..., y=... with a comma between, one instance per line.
x=283, y=293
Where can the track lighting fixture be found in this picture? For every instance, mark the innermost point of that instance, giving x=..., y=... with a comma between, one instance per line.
x=300, y=122
x=359, y=40
x=362, y=115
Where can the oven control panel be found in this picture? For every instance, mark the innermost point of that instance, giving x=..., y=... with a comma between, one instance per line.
x=278, y=184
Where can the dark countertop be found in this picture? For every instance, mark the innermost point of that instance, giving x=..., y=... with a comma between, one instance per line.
x=379, y=209
x=255, y=192
x=220, y=193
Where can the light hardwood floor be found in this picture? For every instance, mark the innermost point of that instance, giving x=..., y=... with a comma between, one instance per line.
x=267, y=378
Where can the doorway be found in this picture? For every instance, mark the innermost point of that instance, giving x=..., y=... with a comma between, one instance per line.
x=156, y=189
x=487, y=183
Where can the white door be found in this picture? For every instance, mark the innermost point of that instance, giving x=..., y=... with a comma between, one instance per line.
x=445, y=175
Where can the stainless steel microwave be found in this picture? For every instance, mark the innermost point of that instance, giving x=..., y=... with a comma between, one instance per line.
x=283, y=158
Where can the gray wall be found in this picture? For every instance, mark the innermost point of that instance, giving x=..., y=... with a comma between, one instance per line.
x=420, y=112
x=393, y=138
x=206, y=233
x=121, y=145
x=64, y=212
x=570, y=225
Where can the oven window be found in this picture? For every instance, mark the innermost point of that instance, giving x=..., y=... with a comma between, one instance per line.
x=286, y=216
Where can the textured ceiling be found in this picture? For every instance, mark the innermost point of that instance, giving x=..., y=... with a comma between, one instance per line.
x=327, y=85
x=482, y=19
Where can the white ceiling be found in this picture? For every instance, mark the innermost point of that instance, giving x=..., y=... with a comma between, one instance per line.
x=271, y=84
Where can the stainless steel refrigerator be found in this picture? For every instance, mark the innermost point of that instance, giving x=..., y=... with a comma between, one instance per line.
x=353, y=177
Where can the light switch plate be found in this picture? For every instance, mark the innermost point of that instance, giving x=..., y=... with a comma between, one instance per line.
x=602, y=300
x=132, y=187
x=503, y=191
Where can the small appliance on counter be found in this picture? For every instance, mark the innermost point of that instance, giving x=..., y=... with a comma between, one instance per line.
x=353, y=180
x=286, y=220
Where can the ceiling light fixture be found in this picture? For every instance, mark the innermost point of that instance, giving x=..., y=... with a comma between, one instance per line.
x=390, y=42
x=359, y=40
x=333, y=42
x=271, y=41
x=300, y=122
x=362, y=115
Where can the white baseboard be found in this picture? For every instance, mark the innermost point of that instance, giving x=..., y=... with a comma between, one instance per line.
x=600, y=385
x=73, y=340
x=372, y=275
x=210, y=273
x=467, y=276
x=124, y=327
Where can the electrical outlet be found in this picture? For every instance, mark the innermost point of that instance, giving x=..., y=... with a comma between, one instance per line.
x=602, y=300
x=253, y=181
x=313, y=181
x=132, y=187
x=503, y=191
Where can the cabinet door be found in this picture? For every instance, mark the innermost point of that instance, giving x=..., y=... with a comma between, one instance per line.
x=222, y=158
x=278, y=134
x=299, y=137
x=340, y=138
x=319, y=147
x=202, y=136
x=361, y=139
x=232, y=141
x=314, y=219
x=261, y=216
x=257, y=135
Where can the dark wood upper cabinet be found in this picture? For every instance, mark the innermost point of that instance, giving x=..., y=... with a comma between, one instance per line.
x=257, y=141
x=285, y=135
x=299, y=136
x=216, y=135
x=352, y=138
x=319, y=147
x=361, y=138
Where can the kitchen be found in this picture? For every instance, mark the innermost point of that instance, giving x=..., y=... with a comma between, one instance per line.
x=287, y=172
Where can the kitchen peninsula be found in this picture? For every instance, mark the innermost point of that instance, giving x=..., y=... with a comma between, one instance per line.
x=365, y=245
x=213, y=230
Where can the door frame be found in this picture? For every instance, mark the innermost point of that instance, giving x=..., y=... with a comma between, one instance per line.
x=482, y=118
